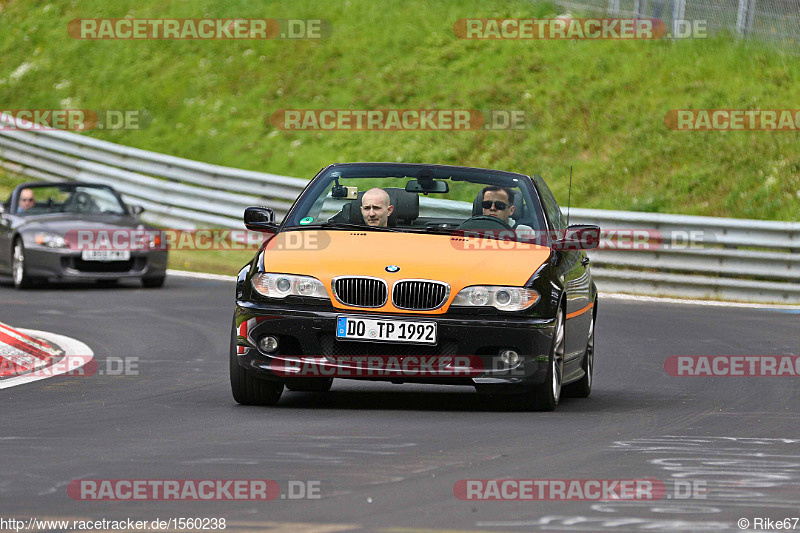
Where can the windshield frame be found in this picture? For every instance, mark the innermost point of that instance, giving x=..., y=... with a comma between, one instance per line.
x=70, y=187
x=324, y=179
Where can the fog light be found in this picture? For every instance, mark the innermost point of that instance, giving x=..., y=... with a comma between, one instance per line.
x=267, y=344
x=509, y=357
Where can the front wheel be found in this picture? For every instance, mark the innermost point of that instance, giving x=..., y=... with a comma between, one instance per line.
x=153, y=283
x=545, y=397
x=248, y=389
x=19, y=270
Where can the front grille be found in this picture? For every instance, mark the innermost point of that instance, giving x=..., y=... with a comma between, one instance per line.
x=341, y=350
x=420, y=294
x=102, y=266
x=360, y=291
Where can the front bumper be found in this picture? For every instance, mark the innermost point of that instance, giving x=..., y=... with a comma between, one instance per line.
x=466, y=352
x=60, y=264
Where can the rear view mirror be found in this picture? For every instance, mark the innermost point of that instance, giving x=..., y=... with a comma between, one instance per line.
x=427, y=185
x=260, y=219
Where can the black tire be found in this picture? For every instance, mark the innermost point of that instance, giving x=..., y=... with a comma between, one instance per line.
x=248, y=389
x=545, y=397
x=583, y=387
x=153, y=283
x=19, y=271
x=309, y=384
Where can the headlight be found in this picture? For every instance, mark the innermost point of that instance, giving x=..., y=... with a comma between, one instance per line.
x=51, y=240
x=502, y=298
x=283, y=285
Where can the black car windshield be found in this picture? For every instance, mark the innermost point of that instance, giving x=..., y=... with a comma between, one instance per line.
x=68, y=199
x=422, y=198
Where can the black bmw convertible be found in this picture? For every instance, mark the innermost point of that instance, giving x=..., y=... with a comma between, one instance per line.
x=419, y=274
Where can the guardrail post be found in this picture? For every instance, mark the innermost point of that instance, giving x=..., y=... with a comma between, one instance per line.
x=744, y=17
x=678, y=14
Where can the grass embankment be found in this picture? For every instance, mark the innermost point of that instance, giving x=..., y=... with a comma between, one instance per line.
x=597, y=105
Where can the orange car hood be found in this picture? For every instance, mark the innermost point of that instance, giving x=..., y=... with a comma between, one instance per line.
x=459, y=261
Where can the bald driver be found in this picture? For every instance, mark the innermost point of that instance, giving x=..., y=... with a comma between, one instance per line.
x=375, y=208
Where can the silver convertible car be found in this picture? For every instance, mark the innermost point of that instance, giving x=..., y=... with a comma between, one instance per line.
x=38, y=228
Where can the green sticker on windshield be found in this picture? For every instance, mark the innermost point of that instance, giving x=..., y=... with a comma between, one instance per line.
x=307, y=220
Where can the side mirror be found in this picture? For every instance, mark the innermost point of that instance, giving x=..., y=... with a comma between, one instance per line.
x=260, y=219
x=579, y=237
x=136, y=210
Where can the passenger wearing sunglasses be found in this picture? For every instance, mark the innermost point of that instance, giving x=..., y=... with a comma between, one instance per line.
x=26, y=200
x=498, y=202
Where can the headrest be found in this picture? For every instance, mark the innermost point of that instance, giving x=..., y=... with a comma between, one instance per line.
x=519, y=206
x=406, y=207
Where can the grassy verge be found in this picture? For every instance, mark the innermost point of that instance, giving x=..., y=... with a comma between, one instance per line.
x=211, y=261
x=597, y=105
x=8, y=182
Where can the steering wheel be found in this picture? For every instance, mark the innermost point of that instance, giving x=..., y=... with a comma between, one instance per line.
x=484, y=222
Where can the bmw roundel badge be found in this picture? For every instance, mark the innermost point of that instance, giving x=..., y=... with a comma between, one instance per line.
x=392, y=268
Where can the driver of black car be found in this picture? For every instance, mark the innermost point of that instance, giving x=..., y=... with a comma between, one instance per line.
x=498, y=202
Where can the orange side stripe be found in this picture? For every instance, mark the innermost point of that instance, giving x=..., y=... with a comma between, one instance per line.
x=580, y=311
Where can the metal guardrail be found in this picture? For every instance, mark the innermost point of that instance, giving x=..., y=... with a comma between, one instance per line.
x=698, y=257
x=705, y=257
x=176, y=192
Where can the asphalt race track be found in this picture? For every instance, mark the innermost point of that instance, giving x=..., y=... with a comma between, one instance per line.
x=386, y=457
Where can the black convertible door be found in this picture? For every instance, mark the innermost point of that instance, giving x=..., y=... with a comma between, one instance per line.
x=573, y=270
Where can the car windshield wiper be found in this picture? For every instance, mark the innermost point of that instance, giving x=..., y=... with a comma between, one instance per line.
x=342, y=225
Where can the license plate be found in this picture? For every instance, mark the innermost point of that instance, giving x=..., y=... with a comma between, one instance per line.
x=367, y=329
x=105, y=255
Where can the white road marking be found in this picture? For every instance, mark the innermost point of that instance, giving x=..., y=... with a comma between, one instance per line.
x=199, y=275
x=711, y=303
x=72, y=347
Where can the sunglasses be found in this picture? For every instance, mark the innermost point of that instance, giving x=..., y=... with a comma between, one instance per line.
x=487, y=204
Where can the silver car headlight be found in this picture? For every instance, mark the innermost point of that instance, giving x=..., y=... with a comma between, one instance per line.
x=502, y=298
x=51, y=240
x=283, y=285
